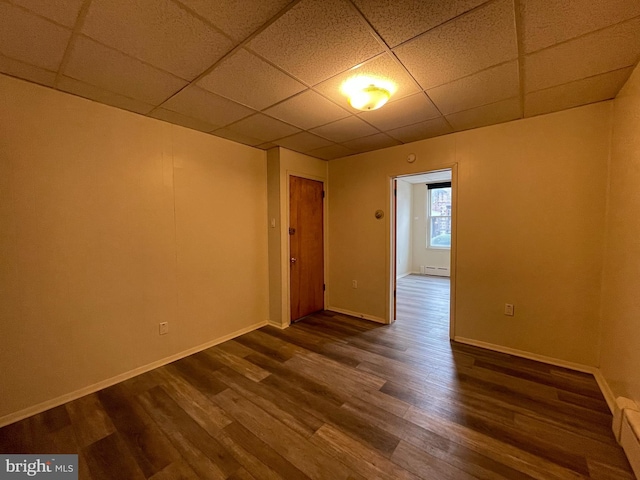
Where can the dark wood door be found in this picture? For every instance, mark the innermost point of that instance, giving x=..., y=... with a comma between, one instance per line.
x=306, y=251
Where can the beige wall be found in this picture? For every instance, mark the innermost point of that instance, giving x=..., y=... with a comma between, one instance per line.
x=530, y=220
x=620, y=354
x=403, y=245
x=284, y=163
x=422, y=255
x=275, y=237
x=110, y=223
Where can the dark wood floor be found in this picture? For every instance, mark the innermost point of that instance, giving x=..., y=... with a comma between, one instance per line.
x=334, y=397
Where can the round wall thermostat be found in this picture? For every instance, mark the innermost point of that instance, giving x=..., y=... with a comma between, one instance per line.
x=411, y=158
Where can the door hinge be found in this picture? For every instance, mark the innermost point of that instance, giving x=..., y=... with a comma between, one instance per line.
x=322, y=193
x=395, y=192
x=324, y=287
x=394, y=294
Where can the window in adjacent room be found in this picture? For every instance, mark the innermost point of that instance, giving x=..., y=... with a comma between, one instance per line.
x=439, y=210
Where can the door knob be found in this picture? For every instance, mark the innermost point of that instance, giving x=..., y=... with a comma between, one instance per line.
x=294, y=260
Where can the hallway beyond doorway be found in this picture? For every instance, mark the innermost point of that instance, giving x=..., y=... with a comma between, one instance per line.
x=427, y=298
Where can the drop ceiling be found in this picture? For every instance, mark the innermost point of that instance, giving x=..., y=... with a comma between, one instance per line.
x=268, y=72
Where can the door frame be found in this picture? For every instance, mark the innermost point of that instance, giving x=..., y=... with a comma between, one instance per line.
x=286, y=245
x=391, y=259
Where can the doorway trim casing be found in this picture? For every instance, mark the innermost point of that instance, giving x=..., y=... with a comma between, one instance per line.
x=286, y=244
x=391, y=240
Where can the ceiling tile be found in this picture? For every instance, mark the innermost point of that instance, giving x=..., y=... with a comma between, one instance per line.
x=397, y=22
x=468, y=44
x=158, y=32
x=419, y=131
x=317, y=39
x=372, y=142
x=264, y=128
x=581, y=92
x=61, y=11
x=547, y=22
x=179, y=119
x=489, y=86
x=237, y=137
x=406, y=111
x=255, y=83
x=345, y=129
x=31, y=39
x=307, y=110
x=238, y=19
x=26, y=71
x=101, y=95
x=609, y=49
x=111, y=70
x=383, y=66
x=331, y=152
x=303, y=142
x=498, y=112
x=197, y=103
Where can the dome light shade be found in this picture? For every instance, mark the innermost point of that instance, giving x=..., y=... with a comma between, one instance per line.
x=369, y=98
x=367, y=93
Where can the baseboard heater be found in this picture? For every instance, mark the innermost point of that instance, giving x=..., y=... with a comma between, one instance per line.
x=439, y=271
x=626, y=427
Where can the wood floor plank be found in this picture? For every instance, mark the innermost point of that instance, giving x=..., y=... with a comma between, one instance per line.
x=242, y=474
x=326, y=374
x=572, y=443
x=520, y=460
x=251, y=464
x=56, y=418
x=273, y=402
x=377, y=438
x=602, y=471
x=336, y=397
x=295, y=448
x=197, y=371
x=238, y=364
x=426, y=466
x=89, y=419
x=109, y=455
x=149, y=447
x=365, y=460
x=435, y=445
x=274, y=346
x=269, y=457
x=281, y=370
x=179, y=470
x=208, y=415
x=174, y=418
x=234, y=348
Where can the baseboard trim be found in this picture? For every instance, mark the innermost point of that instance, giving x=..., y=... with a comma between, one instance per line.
x=278, y=325
x=364, y=316
x=530, y=356
x=68, y=397
x=447, y=275
x=606, y=390
x=402, y=275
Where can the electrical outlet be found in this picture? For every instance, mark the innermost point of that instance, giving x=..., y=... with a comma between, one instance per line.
x=164, y=328
x=354, y=283
x=508, y=309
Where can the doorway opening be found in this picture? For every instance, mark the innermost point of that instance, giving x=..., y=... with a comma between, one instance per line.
x=423, y=250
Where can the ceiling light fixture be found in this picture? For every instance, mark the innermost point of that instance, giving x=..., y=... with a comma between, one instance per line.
x=367, y=93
